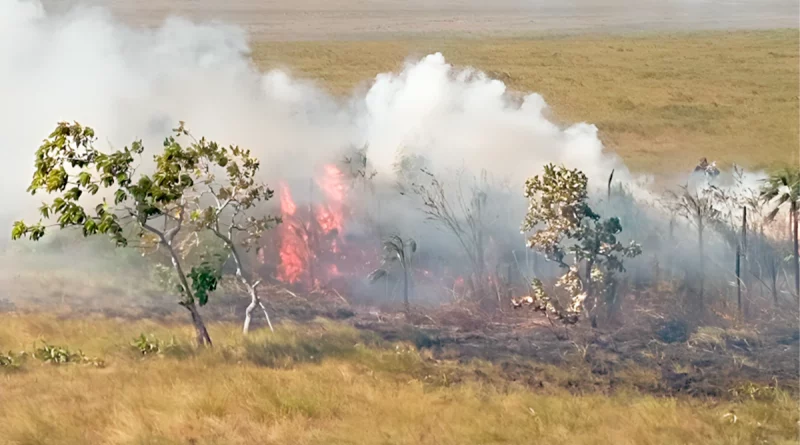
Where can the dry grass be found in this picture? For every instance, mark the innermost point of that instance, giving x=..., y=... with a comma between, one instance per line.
x=660, y=101
x=354, y=392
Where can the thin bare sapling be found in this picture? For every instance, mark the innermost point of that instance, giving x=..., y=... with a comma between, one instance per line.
x=235, y=193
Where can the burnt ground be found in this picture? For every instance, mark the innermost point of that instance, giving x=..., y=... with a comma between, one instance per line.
x=654, y=355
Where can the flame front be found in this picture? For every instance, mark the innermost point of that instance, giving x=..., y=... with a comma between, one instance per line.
x=313, y=237
x=293, y=240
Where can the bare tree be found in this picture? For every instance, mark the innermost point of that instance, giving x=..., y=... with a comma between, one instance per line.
x=464, y=218
x=231, y=215
x=698, y=207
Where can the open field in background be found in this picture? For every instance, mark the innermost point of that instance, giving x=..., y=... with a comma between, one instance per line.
x=660, y=101
x=324, y=383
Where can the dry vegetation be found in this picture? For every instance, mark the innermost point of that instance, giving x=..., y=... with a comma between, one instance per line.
x=324, y=383
x=660, y=101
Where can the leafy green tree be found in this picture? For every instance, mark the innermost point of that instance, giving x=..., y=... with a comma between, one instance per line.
x=70, y=167
x=230, y=215
x=782, y=189
x=397, y=250
x=568, y=232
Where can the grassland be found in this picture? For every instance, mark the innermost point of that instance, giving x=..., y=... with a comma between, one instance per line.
x=323, y=384
x=660, y=101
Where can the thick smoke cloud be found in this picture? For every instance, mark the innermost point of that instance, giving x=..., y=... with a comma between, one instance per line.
x=132, y=83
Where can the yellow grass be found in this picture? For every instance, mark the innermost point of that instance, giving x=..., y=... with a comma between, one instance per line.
x=660, y=101
x=355, y=394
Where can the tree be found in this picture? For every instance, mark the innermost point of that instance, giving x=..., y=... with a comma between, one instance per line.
x=782, y=189
x=395, y=249
x=465, y=219
x=69, y=166
x=569, y=233
x=698, y=207
x=230, y=216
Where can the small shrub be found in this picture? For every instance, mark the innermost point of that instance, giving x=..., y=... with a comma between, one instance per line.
x=9, y=361
x=673, y=331
x=754, y=391
x=715, y=338
x=57, y=355
x=147, y=345
x=712, y=338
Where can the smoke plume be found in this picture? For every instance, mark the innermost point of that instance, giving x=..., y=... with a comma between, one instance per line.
x=130, y=83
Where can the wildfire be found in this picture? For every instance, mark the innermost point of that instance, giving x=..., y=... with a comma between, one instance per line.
x=293, y=243
x=330, y=215
x=305, y=240
x=288, y=206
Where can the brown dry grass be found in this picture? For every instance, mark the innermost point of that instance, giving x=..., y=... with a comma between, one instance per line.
x=353, y=395
x=661, y=101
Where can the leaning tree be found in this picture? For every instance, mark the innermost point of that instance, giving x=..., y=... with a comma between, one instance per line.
x=133, y=204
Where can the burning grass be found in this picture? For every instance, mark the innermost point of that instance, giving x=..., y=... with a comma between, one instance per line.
x=660, y=97
x=327, y=383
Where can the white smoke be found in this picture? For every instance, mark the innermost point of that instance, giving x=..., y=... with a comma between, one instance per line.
x=130, y=83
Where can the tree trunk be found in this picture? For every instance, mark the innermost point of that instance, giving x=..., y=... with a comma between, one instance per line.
x=248, y=315
x=200, y=330
x=406, y=304
x=738, y=280
x=775, y=286
x=702, y=271
x=745, y=310
x=203, y=338
x=796, y=250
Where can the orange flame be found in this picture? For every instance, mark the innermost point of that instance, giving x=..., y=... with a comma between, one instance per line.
x=292, y=248
x=330, y=215
x=306, y=242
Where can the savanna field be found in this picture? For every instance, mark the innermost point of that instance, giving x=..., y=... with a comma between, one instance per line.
x=100, y=355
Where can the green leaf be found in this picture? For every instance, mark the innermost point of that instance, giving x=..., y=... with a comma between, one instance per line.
x=84, y=178
x=19, y=230
x=204, y=280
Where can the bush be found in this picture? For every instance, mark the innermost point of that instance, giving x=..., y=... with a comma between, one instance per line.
x=673, y=331
x=58, y=355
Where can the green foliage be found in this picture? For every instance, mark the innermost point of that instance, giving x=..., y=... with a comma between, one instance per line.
x=9, y=361
x=240, y=192
x=71, y=168
x=568, y=232
x=205, y=278
x=58, y=355
x=147, y=345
